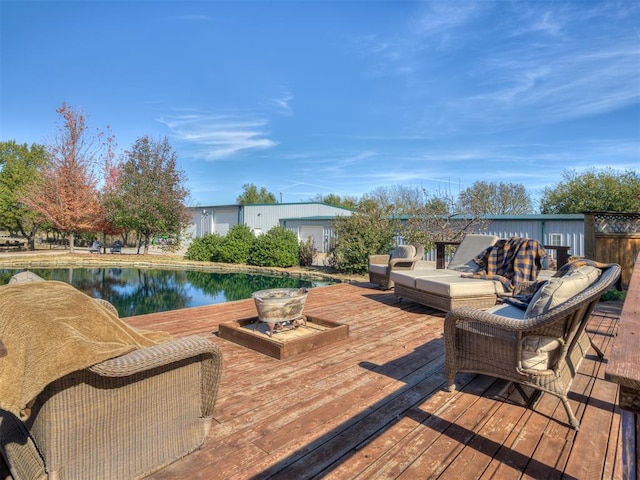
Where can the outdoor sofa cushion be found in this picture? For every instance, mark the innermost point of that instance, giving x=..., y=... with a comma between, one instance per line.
x=471, y=246
x=455, y=286
x=558, y=290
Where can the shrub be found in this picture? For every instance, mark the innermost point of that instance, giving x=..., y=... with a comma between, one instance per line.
x=203, y=248
x=358, y=236
x=276, y=248
x=235, y=245
x=613, y=295
x=308, y=252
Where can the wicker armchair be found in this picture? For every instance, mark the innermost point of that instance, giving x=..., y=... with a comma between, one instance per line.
x=403, y=257
x=478, y=341
x=123, y=418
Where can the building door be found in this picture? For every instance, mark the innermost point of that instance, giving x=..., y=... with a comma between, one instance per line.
x=312, y=231
x=223, y=220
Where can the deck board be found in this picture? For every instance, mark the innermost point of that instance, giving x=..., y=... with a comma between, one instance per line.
x=373, y=406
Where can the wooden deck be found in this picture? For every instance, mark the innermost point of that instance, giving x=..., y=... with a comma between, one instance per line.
x=373, y=406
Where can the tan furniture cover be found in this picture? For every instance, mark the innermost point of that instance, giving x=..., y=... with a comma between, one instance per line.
x=85, y=396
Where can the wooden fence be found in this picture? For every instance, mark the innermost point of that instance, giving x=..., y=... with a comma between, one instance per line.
x=611, y=237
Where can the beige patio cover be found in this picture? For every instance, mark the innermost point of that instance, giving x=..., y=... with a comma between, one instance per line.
x=51, y=329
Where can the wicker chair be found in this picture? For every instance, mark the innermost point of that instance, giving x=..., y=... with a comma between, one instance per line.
x=403, y=257
x=123, y=418
x=482, y=342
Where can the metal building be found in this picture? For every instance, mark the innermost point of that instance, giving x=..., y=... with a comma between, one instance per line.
x=312, y=219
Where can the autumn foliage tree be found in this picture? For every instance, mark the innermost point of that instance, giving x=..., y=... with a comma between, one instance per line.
x=66, y=195
x=151, y=192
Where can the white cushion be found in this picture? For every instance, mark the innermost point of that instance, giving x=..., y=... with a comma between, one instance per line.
x=472, y=244
x=408, y=277
x=453, y=286
x=558, y=290
x=379, y=269
x=403, y=251
x=537, y=352
x=507, y=310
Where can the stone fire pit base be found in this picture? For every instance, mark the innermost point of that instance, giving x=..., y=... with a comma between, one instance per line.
x=251, y=333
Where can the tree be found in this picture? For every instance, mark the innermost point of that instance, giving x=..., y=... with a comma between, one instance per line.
x=400, y=199
x=440, y=219
x=106, y=223
x=491, y=198
x=337, y=201
x=21, y=167
x=594, y=190
x=368, y=231
x=250, y=194
x=67, y=195
x=151, y=194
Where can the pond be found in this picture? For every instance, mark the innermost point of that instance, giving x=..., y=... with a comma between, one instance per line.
x=136, y=291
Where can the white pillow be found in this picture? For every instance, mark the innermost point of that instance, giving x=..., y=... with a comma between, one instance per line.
x=558, y=290
x=537, y=352
x=472, y=245
x=403, y=251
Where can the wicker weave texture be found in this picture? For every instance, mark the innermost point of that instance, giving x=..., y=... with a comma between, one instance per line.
x=124, y=418
x=443, y=303
x=481, y=342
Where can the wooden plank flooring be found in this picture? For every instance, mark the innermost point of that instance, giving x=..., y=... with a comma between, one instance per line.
x=373, y=406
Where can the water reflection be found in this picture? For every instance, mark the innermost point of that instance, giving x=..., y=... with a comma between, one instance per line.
x=136, y=291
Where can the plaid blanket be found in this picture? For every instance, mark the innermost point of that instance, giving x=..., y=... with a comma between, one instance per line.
x=511, y=261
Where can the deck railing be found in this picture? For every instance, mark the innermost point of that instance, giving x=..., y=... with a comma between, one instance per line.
x=624, y=369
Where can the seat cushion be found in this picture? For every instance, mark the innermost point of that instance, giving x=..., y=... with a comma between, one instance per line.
x=537, y=352
x=507, y=310
x=558, y=290
x=472, y=244
x=454, y=286
x=379, y=269
x=408, y=278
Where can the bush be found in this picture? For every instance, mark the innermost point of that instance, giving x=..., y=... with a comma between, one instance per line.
x=358, y=236
x=235, y=245
x=203, y=248
x=276, y=248
x=613, y=295
x=308, y=252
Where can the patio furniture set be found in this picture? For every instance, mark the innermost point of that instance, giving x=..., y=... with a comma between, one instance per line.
x=131, y=414
x=501, y=320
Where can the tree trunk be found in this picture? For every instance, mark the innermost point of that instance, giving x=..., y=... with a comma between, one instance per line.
x=71, y=241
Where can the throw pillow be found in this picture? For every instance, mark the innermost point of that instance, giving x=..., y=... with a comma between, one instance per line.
x=558, y=290
x=403, y=251
x=537, y=352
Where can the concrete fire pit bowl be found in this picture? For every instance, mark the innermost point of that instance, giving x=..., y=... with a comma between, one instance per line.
x=280, y=305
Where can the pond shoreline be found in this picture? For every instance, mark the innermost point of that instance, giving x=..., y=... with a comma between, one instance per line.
x=81, y=258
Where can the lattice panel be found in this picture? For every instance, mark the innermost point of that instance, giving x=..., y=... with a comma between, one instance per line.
x=617, y=223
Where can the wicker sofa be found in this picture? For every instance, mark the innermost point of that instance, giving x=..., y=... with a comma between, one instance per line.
x=540, y=347
x=124, y=417
x=445, y=289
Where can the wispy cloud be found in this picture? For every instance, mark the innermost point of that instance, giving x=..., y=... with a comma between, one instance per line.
x=217, y=137
x=282, y=103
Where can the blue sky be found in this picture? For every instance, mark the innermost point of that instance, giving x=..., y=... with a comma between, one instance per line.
x=317, y=97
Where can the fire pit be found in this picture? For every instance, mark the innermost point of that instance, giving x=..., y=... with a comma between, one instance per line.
x=280, y=308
